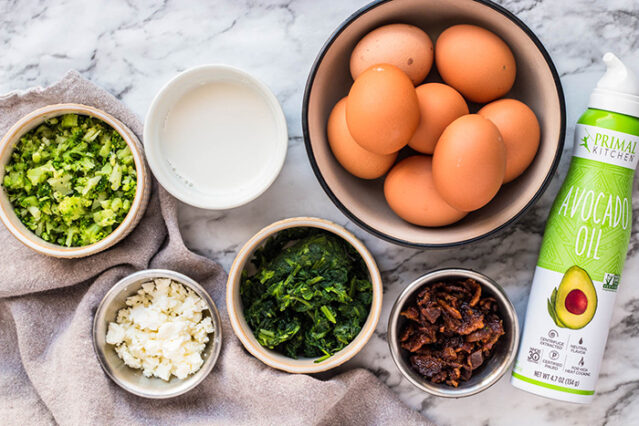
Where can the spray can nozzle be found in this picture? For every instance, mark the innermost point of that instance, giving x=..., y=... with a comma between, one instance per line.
x=618, y=78
x=618, y=89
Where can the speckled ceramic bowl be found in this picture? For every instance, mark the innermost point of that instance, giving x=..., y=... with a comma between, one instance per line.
x=26, y=236
x=275, y=359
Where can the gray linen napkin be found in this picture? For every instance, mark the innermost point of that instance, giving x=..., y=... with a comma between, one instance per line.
x=49, y=372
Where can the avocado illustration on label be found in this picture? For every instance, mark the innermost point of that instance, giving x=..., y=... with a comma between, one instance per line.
x=574, y=302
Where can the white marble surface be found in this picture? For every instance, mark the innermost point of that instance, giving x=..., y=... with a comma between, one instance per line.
x=132, y=47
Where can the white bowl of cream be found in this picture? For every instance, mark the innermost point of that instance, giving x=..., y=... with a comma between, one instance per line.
x=215, y=137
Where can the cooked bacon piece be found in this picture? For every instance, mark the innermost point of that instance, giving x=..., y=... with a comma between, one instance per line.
x=466, y=347
x=451, y=330
x=425, y=365
x=438, y=286
x=450, y=310
x=452, y=341
x=489, y=304
x=496, y=326
x=454, y=374
x=408, y=331
x=431, y=312
x=466, y=374
x=414, y=343
x=411, y=313
x=419, y=337
x=475, y=359
x=449, y=324
x=476, y=291
x=423, y=297
x=449, y=354
x=439, y=377
x=454, y=288
x=479, y=335
x=429, y=330
x=472, y=320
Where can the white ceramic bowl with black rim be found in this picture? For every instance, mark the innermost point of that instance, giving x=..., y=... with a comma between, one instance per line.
x=537, y=84
x=138, y=206
x=130, y=379
x=503, y=353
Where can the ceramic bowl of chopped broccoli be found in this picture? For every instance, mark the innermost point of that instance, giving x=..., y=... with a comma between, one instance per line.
x=304, y=295
x=73, y=180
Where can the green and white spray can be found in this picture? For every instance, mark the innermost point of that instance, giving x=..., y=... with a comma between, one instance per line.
x=584, y=247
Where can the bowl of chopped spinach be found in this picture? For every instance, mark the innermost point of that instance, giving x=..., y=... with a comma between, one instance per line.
x=304, y=295
x=73, y=180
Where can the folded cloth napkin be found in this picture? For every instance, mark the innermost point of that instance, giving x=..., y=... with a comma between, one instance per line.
x=50, y=374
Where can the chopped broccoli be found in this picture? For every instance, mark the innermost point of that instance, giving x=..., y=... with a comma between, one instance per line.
x=14, y=180
x=39, y=174
x=104, y=217
x=61, y=184
x=71, y=180
x=69, y=120
x=85, y=185
x=125, y=156
x=71, y=208
x=116, y=177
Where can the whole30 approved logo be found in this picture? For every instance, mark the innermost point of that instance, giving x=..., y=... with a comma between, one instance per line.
x=611, y=282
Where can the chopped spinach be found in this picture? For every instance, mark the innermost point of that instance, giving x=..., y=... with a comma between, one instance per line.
x=308, y=299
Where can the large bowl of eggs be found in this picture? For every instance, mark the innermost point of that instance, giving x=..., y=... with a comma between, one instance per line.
x=433, y=123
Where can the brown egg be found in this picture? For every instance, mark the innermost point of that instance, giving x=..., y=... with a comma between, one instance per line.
x=410, y=191
x=382, y=111
x=469, y=162
x=476, y=62
x=519, y=128
x=355, y=159
x=405, y=46
x=439, y=105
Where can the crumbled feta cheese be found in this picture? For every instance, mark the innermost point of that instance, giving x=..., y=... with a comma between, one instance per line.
x=162, y=331
x=115, y=334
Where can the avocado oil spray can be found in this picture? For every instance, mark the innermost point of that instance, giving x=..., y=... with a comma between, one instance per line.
x=584, y=247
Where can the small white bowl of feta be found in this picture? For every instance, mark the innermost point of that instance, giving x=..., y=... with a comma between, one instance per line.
x=157, y=333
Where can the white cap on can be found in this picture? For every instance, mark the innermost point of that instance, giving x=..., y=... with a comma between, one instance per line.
x=617, y=90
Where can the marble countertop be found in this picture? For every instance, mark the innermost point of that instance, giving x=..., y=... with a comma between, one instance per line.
x=132, y=47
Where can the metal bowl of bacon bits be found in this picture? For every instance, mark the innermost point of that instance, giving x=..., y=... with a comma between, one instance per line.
x=453, y=332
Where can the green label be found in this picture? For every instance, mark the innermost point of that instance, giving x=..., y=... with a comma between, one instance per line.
x=590, y=221
x=553, y=387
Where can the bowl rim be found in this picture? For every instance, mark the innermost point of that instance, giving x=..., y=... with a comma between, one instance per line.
x=361, y=223
x=185, y=280
x=245, y=335
x=153, y=151
x=504, y=303
x=29, y=238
